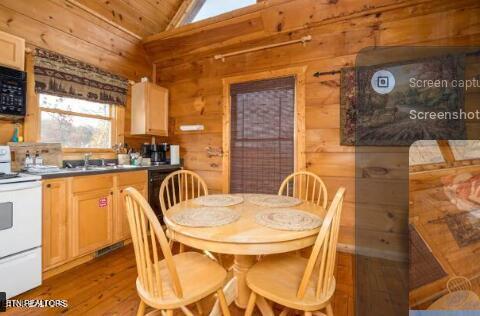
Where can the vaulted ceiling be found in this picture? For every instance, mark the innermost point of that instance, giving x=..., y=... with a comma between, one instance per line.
x=140, y=17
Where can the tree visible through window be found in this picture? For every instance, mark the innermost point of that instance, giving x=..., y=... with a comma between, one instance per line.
x=75, y=123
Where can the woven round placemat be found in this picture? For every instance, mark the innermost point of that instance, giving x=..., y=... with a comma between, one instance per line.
x=288, y=219
x=272, y=200
x=218, y=200
x=205, y=216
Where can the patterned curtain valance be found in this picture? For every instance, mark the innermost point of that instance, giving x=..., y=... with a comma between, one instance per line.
x=64, y=76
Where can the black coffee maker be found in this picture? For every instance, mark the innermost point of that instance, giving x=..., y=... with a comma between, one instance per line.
x=158, y=153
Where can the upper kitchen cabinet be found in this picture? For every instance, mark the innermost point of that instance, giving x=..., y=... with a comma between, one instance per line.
x=149, y=109
x=12, y=51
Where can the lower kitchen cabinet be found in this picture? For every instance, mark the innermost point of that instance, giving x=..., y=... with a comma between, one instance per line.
x=83, y=214
x=91, y=221
x=54, y=236
x=122, y=228
x=137, y=180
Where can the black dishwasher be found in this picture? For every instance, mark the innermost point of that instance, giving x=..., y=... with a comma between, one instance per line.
x=155, y=179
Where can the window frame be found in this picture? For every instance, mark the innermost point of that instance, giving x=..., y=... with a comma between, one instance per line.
x=112, y=118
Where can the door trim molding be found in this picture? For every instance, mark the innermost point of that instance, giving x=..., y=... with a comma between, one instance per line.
x=299, y=129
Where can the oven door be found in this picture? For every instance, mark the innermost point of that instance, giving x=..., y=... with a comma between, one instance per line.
x=20, y=217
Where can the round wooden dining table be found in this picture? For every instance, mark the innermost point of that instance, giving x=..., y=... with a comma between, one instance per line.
x=458, y=300
x=245, y=239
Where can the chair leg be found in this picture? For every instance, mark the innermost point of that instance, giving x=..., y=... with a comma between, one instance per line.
x=141, y=308
x=181, y=248
x=199, y=308
x=308, y=313
x=284, y=312
x=223, y=303
x=329, y=309
x=251, y=304
x=170, y=312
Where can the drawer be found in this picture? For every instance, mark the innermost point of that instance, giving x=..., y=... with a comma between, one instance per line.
x=132, y=177
x=92, y=183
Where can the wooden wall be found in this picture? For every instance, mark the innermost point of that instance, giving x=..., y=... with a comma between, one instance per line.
x=58, y=26
x=340, y=29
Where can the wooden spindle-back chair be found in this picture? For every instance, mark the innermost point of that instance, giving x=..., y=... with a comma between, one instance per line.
x=306, y=284
x=305, y=186
x=167, y=282
x=180, y=186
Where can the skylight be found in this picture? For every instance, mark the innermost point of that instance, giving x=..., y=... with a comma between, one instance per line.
x=216, y=7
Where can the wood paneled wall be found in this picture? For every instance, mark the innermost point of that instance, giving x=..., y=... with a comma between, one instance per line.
x=56, y=25
x=340, y=29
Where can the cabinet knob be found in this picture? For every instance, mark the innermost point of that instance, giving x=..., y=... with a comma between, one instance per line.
x=121, y=191
x=49, y=185
x=111, y=193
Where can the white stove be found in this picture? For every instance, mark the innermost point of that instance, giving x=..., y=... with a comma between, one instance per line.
x=18, y=177
x=20, y=229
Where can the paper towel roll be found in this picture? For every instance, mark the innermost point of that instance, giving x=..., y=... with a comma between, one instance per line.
x=174, y=154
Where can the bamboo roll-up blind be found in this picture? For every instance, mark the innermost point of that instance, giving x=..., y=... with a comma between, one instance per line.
x=262, y=134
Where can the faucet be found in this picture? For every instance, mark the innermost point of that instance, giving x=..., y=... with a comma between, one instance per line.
x=86, y=159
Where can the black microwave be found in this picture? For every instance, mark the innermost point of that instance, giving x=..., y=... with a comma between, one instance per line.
x=13, y=88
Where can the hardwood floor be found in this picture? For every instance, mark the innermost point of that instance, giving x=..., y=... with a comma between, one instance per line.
x=106, y=286
x=382, y=287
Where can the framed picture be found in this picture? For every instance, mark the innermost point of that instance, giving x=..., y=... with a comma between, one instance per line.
x=373, y=115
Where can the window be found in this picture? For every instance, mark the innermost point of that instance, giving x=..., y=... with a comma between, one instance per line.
x=262, y=134
x=75, y=123
x=212, y=8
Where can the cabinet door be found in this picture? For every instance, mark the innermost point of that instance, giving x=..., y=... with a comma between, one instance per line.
x=91, y=221
x=157, y=111
x=54, y=234
x=122, y=228
x=12, y=51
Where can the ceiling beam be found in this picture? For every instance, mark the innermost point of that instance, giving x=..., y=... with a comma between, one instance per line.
x=185, y=13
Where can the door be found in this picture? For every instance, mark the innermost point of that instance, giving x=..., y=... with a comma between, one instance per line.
x=262, y=146
x=91, y=221
x=54, y=233
x=122, y=228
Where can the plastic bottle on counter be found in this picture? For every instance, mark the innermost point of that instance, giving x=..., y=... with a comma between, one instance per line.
x=38, y=159
x=28, y=160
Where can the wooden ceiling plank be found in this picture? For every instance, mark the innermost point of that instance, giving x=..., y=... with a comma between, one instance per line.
x=102, y=17
x=121, y=14
x=66, y=20
x=157, y=16
x=95, y=20
x=187, y=9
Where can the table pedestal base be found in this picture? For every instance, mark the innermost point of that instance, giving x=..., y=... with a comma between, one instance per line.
x=241, y=265
x=237, y=290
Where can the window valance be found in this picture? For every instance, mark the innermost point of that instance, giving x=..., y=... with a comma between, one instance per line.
x=57, y=74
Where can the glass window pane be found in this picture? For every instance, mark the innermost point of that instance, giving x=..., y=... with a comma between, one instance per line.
x=74, y=105
x=216, y=7
x=75, y=131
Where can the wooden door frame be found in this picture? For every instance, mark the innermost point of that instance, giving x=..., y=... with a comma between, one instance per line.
x=299, y=119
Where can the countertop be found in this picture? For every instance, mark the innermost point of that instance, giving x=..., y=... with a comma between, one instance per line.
x=66, y=172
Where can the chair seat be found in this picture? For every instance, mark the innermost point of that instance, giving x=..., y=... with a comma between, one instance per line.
x=277, y=278
x=199, y=277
